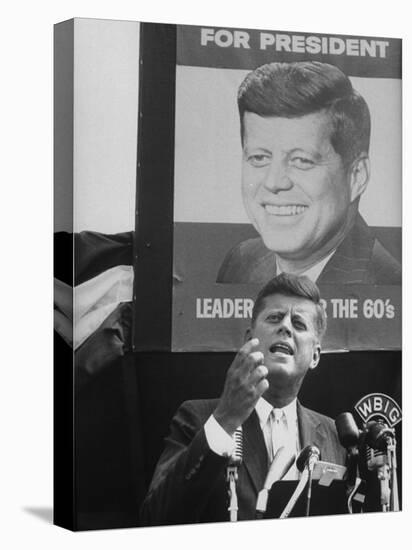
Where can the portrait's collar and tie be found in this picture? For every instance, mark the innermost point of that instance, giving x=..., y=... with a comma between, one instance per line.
x=314, y=271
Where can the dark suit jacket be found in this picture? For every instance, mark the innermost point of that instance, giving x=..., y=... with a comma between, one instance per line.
x=189, y=484
x=360, y=258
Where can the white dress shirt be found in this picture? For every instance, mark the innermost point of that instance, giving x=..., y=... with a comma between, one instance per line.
x=280, y=429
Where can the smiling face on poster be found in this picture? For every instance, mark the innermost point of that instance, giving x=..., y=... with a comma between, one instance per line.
x=296, y=189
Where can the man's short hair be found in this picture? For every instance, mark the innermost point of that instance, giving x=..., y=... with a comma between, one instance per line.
x=292, y=285
x=292, y=90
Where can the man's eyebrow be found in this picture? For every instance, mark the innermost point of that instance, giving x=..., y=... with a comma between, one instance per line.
x=301, y=313
x=275, y=311
x=255, y=148
x=317, y=155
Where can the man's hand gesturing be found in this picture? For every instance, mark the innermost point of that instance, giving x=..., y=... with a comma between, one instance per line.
x=245, y=383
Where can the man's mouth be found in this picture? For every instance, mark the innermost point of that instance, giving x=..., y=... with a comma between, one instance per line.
x=281, y=347
x=285, y=210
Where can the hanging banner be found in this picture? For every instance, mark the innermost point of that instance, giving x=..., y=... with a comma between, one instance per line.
x=287, y=158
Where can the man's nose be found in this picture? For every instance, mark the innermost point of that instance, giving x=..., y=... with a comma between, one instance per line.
x=285, y=326
x=277, y=178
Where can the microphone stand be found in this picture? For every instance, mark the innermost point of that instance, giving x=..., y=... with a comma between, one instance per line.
x=232, y=473
x=352, y=478
x=381, y=437
x=296, y=494
x=305, y=463
x=310, y=465
x=312, y=460
x=383, y=476
x=394, y=496
x=309, y=490
x=231, y=478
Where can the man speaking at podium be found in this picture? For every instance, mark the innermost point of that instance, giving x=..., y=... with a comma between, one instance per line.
x=260, y=394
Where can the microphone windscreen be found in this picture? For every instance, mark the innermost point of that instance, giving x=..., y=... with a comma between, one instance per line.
x=377, y=435
x=304, y=456
x=348, y=431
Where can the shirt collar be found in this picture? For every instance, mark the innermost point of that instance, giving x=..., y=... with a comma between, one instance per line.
x=264, y=408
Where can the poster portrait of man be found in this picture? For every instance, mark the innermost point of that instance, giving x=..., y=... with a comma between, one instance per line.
x=305, y=134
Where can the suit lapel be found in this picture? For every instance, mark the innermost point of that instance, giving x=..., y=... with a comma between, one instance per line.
x=310, y=429
x=350, y=262
x=254, y=451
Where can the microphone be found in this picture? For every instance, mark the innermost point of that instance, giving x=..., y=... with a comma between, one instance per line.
x=379, y=413
x=349, y=437
x=308, y=458
x=235, y=460
x=375, y=459
x=379, y=435
x=281, y=464
x=305, y=464
x=348, y=431
x=237, y=455
x=381, y=457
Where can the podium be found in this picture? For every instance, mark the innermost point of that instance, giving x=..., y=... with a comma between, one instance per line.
x=326, y=500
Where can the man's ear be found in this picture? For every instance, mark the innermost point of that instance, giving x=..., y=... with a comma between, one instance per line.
x=315, y=357
x=359, y=176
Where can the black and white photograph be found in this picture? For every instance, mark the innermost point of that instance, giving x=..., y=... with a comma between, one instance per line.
x=215, y=204
x=252, y=401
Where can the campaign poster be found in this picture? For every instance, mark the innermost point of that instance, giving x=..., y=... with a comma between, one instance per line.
x=257, y=193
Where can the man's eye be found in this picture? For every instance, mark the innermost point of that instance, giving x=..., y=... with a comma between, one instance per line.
x=274, y=318
x=258, y=160
x=302, y=163
x=300, y=325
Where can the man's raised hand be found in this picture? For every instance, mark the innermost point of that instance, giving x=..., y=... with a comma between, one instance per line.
x=245, y=383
